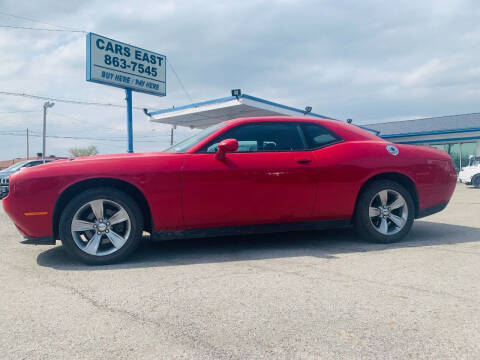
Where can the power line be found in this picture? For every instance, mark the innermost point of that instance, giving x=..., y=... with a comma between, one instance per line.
x=179, y=81
x=35, y=134
x=66, y=100
x=37, y=21
x=83, y=121
x=41, y=29
x=19, y=111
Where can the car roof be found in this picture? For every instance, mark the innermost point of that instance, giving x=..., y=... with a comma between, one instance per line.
x=347, y=131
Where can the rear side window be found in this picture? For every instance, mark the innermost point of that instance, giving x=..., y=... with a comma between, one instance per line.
x=34, y=163
x=318, y=136
x=261, y=137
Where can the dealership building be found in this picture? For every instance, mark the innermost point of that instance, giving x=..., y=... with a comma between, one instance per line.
x=459, y=135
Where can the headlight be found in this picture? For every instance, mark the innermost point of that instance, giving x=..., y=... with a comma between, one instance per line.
x=4, y=181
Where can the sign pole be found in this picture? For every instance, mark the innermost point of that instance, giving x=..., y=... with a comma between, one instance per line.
x=111, y=62
x=128, y=93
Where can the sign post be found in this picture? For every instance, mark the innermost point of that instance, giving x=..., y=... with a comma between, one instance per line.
x=114, y=63
x=128, y=94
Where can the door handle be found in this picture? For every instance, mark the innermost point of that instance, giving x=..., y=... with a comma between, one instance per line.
x=303, y=160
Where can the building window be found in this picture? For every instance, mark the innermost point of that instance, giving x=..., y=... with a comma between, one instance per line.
x=460, y=152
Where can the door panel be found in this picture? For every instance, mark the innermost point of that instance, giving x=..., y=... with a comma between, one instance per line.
x=248, y=188
x=338, y=182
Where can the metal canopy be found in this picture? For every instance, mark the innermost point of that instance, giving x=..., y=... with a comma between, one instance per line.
x=203, y=114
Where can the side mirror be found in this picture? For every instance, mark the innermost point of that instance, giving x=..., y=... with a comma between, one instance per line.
x=226, y=146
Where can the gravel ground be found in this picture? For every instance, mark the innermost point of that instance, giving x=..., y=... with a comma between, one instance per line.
x=288, y=296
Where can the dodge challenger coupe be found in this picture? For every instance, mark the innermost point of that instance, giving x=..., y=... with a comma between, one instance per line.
x=244, y=175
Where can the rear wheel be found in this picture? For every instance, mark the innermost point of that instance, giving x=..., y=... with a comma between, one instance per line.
x=101, y=226
x=385, y=212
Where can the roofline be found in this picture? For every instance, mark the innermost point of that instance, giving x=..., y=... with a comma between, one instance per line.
x=284, y=106
x=438, y=140
x=376, y=132
x=423, y=133
x=194, y=105
x=427, y=118
x=229, y=98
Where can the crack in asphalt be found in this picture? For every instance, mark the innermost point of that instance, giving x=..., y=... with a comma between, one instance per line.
x=407, y=287
x=212, y=351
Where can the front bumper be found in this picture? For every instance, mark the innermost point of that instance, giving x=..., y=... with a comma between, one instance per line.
x=3, y=191
x=464, y=178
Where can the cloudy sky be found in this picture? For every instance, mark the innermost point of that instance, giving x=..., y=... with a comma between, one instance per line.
x=372, y=61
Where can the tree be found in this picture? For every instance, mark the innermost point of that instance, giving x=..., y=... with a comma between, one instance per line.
x=83, y=151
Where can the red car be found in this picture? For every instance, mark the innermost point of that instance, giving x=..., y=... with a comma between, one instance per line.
x=244, y=175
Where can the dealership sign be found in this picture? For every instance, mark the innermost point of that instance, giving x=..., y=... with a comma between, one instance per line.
x=114, y=63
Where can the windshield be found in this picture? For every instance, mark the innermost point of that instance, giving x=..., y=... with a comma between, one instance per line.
x=188, y=143
x=15, y=166
x=474, y=161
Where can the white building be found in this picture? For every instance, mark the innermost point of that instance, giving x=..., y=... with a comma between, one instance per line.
x=459, y=135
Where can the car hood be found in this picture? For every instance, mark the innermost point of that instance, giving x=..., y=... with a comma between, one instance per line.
x=5, y=174
x=97, y=165
x=97, y=159
x=127, y=156
x=470, y=170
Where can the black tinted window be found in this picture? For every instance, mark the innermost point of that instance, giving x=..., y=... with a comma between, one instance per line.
x=265, y=137
x=317, y=136
x=34, y=163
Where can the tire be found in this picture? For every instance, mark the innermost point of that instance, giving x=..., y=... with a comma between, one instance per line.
x=87, y=234
x=375, y=220
x=476, y=181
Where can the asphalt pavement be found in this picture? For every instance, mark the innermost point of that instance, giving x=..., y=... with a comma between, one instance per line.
x=303, y=295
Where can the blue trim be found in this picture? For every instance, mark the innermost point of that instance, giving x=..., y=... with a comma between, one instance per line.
x=376, y=132
x=284, y=106
x=194, y=105
x=437, y=132
x=124, y=88
x=438, y=140
x=89, y=57
x=228, y=98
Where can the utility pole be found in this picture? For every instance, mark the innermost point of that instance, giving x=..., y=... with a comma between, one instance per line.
x=171, y=134
x=28, y=147
x=46, y=104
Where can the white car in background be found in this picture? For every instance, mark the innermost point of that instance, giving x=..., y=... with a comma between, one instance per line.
x=470, y=174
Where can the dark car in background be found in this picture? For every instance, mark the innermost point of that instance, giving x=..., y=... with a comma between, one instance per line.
x=5, y=173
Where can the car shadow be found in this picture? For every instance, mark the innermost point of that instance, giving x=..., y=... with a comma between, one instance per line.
x=321, y=244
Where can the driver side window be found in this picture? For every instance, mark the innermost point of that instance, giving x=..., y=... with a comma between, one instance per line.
x=262, y=137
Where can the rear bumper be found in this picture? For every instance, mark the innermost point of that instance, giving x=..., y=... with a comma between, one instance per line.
x=431, y=210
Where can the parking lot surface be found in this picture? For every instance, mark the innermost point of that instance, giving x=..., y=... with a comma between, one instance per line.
x=282, y=296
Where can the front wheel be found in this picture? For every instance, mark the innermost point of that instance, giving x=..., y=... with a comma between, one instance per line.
x=101, y=226
x=476, y=181
x=384, y=212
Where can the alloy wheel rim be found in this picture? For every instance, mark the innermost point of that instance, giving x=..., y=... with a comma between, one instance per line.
x=101, y=227
x=388, y=212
